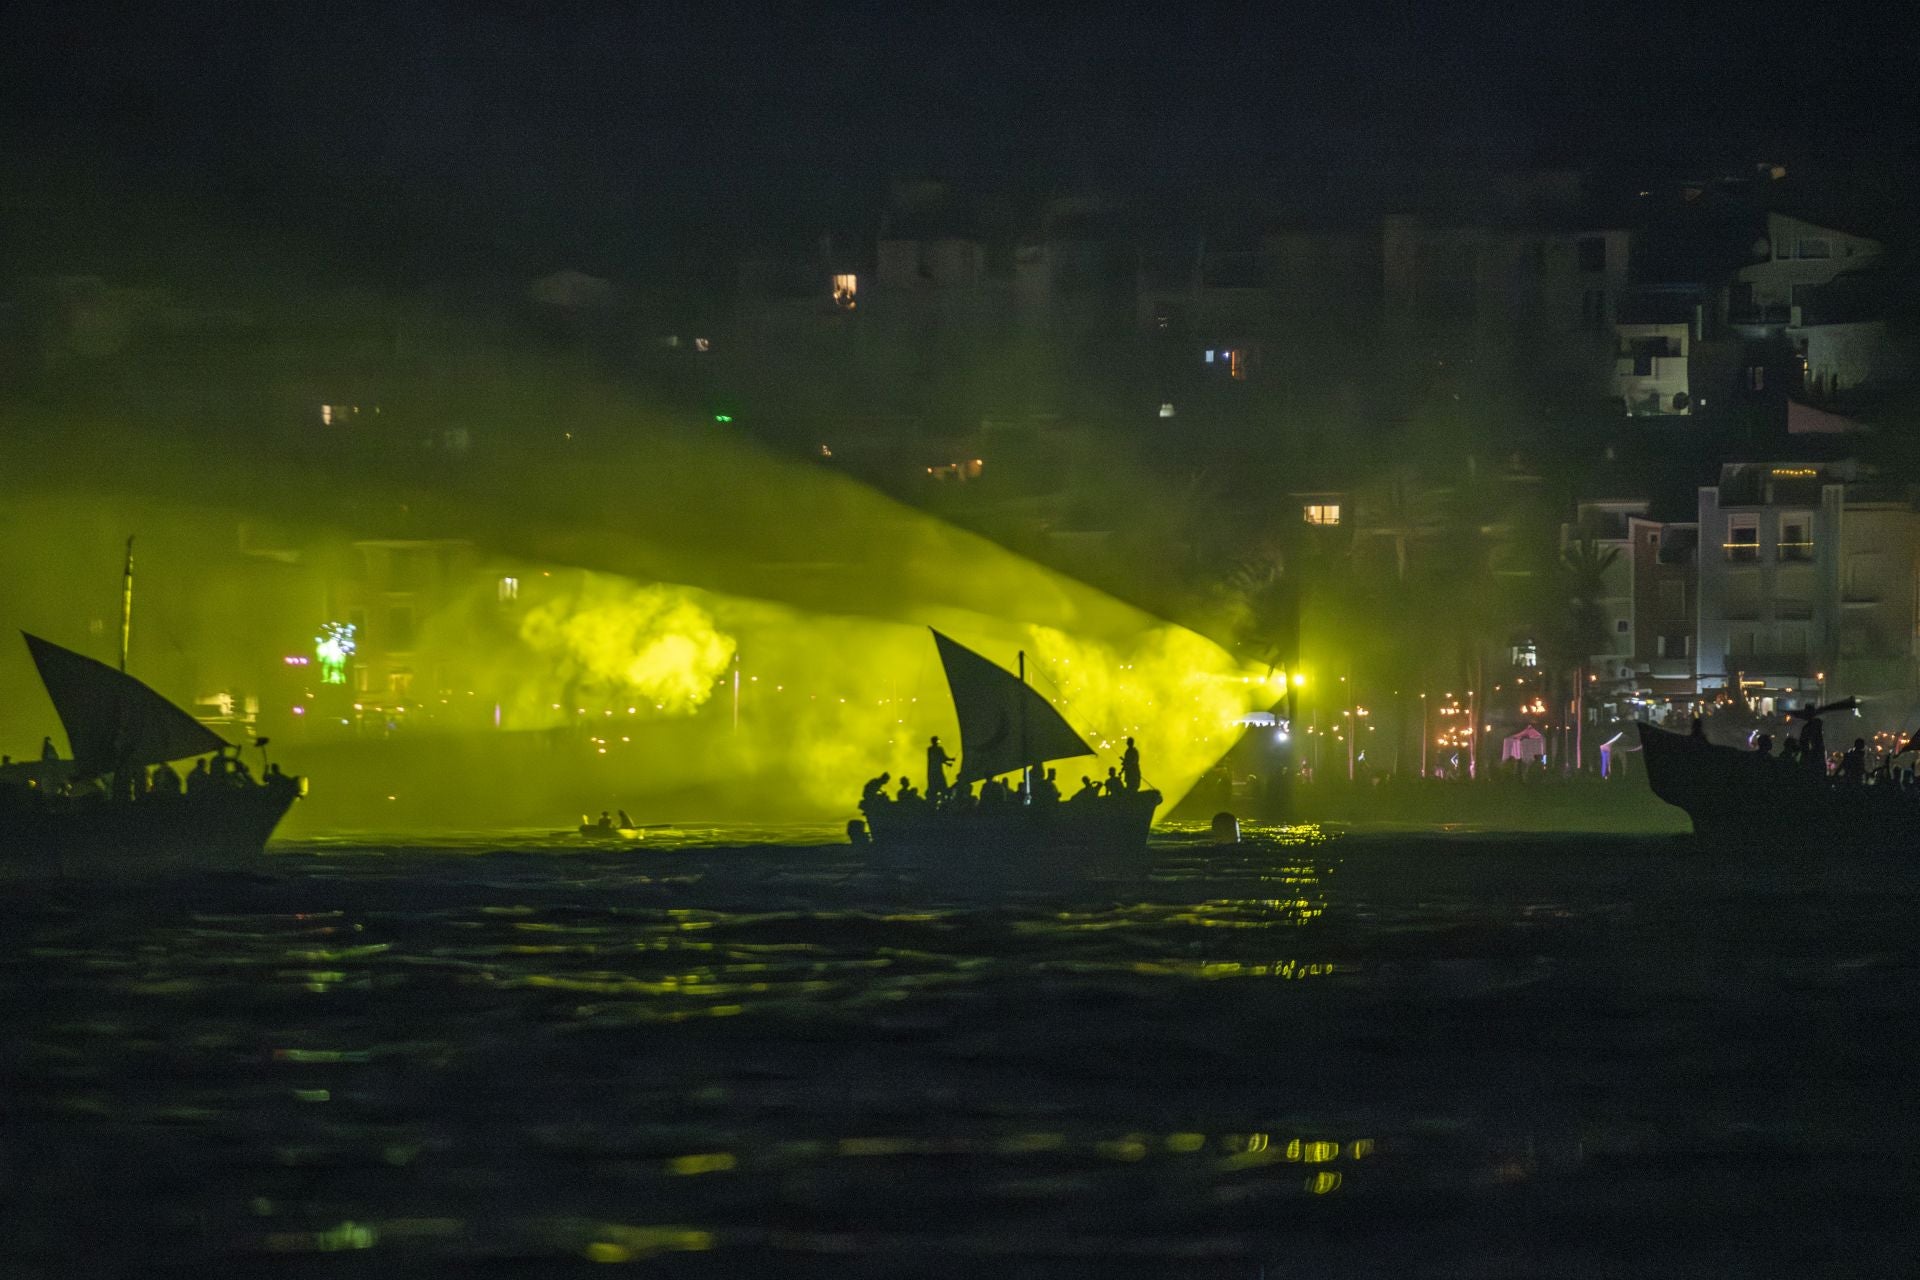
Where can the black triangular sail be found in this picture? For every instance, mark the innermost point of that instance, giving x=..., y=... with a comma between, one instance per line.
x=990, y=703
x=112, y=720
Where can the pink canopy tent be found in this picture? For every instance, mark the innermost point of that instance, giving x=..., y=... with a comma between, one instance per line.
x=1525, y=746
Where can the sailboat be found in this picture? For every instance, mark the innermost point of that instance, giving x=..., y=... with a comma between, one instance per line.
x=1007, y=728
x=117, y=727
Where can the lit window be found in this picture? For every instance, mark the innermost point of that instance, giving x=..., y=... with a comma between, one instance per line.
x=825, y=452
x=326, y=415
x=703, y=344
x=509, y=589
x=1743, y=537
x=400, y=627
x=1209, y=355
x=1321, y=513
x=1796, y=536
x=1526, y=654
x=1166, y=408
x=1237, y=365
x=845, y=287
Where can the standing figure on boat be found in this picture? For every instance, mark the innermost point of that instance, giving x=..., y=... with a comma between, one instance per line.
x=1046, y=790
x=937, y=762
x=1813, y=745
x=46, y=749
x=1853, y=764
x=1130, y=767
x=1113, y=784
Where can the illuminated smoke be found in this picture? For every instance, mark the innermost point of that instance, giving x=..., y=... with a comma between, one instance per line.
x=653, y=643
x=615, y=680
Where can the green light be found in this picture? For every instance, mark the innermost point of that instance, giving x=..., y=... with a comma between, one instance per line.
x=723, y=417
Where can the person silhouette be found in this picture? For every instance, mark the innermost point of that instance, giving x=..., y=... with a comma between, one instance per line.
x=46, y=749
x=937, y=762
x=1813, y=745
x=1853, y=765
x=1130, y=767
x=1113, y=783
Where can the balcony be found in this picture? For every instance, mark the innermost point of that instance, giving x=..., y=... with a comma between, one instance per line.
x=1750, y=316
x=1772, y=666
x=1663, y=370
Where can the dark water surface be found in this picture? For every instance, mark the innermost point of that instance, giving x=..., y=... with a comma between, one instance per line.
x=1379, y=1055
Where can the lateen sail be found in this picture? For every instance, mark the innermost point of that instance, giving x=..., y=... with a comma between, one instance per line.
x=112, y=719
x=990, y=703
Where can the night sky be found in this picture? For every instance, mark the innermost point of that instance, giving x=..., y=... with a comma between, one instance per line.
x=567, y=129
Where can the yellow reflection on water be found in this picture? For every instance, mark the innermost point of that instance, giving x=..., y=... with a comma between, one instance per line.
x=617, y=1243
x=1028, y=1143
x=345, y=1236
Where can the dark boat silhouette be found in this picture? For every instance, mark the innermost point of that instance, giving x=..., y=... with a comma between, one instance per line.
x=1743, y=797
x=1006, y=728
x=118, y=726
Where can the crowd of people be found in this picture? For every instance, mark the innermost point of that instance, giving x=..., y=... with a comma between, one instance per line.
x=1851, y=767
x=223, y=771
x=1036, y=787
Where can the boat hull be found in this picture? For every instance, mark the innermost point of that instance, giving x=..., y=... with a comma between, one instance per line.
x=610, y=835
x=1107, y=825
x=1742, y=797
x=214, y=826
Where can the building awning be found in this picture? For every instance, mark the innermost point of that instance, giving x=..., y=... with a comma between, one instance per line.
x=1805, y=420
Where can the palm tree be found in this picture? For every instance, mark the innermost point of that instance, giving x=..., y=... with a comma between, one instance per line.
x=1584, y=565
